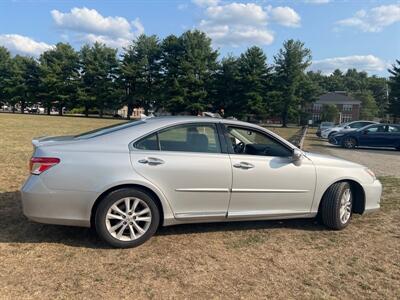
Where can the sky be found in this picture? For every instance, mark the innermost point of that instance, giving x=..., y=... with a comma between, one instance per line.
x=362, y=34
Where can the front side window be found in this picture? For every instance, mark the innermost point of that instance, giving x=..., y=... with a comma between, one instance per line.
x=376, y=128
x=251, y=142
x=186, y=138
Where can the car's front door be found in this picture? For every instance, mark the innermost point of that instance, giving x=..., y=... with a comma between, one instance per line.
x=372, y=136
x=266, y=180
x=186, y=163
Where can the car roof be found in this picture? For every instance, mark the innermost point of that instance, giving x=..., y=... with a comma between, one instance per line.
x=158, y=122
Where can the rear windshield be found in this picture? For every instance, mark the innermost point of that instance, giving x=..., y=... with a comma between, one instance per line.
x=107, y=129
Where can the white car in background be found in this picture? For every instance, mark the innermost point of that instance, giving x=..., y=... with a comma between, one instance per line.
x=324, y=126
x=346, y=127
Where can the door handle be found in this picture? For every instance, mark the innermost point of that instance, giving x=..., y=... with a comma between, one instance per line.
x=152, y=161
x=244, y=165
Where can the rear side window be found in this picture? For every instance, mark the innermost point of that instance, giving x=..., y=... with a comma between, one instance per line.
x=148, y=143
x=394, y=129
x=185, y=138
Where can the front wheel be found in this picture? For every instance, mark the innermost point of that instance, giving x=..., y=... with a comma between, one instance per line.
x=127, y=218
x=331, y=134
x=336, y=206
x=349, y=143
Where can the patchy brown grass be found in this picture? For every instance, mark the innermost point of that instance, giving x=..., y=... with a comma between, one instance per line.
x=290, y=259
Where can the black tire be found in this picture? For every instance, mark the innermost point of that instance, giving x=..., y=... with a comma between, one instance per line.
x=332, y=133
x=349, y=143
x=331, y=205
x=114, y=197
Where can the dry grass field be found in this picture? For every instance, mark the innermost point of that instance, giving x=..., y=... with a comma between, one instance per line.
x=290, y=259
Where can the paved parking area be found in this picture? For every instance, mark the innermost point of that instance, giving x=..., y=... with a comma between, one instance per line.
x=384, y=162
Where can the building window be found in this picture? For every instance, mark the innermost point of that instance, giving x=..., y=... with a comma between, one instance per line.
x=317, y=106
x=347, y=107
x=316, y=117
x=347, y=118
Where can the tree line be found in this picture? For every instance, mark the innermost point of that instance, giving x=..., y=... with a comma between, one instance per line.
x=184, y=75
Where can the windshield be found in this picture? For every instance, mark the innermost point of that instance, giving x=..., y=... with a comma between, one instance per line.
x=107, y=129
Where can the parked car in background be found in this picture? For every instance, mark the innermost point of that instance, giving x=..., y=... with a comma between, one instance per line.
x=375, y=135
x=350, y=126
x=324, y=126
x=127, y=179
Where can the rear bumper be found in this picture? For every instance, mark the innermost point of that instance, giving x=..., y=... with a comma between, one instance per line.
x=59, y=207
x=373, y=194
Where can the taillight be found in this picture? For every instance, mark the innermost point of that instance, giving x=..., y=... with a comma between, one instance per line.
x=38, y=165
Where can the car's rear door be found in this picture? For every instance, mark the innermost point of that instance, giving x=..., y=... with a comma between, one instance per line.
x=266, y=180
x=392, y=136
x=188, y=164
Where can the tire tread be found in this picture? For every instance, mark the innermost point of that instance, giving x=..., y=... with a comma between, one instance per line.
x=330, y=205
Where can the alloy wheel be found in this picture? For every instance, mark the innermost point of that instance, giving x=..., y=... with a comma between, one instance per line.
x=128, y=218
x=345, y=206
x=349, y=143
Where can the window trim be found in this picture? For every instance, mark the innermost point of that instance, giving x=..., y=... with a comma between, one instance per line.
x=168, y=127
x=230, y=150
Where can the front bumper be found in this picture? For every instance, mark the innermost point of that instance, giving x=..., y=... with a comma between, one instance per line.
x=373, y=194
x=324, y=135
x=61, y=207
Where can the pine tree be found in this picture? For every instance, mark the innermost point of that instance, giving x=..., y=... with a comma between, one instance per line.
x=253, y=82
x=98, y=72
x=291, y=62
x=59, y=74
x=394, y=84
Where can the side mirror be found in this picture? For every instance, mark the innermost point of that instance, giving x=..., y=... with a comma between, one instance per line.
x=297, y=155
x=365, y=131
x=346, y=127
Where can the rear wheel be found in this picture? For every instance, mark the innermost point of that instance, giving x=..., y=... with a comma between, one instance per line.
x=349, y=143
x=336, y=206
x=127, y=218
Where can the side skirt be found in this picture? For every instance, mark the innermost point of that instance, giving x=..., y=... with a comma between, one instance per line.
x=190, y=218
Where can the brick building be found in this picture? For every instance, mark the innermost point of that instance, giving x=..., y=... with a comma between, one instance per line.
x=348, y=107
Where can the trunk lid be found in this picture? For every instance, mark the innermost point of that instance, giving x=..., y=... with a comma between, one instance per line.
x=52, y=140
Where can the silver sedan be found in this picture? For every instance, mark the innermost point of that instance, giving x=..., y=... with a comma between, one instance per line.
x=128, y=179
